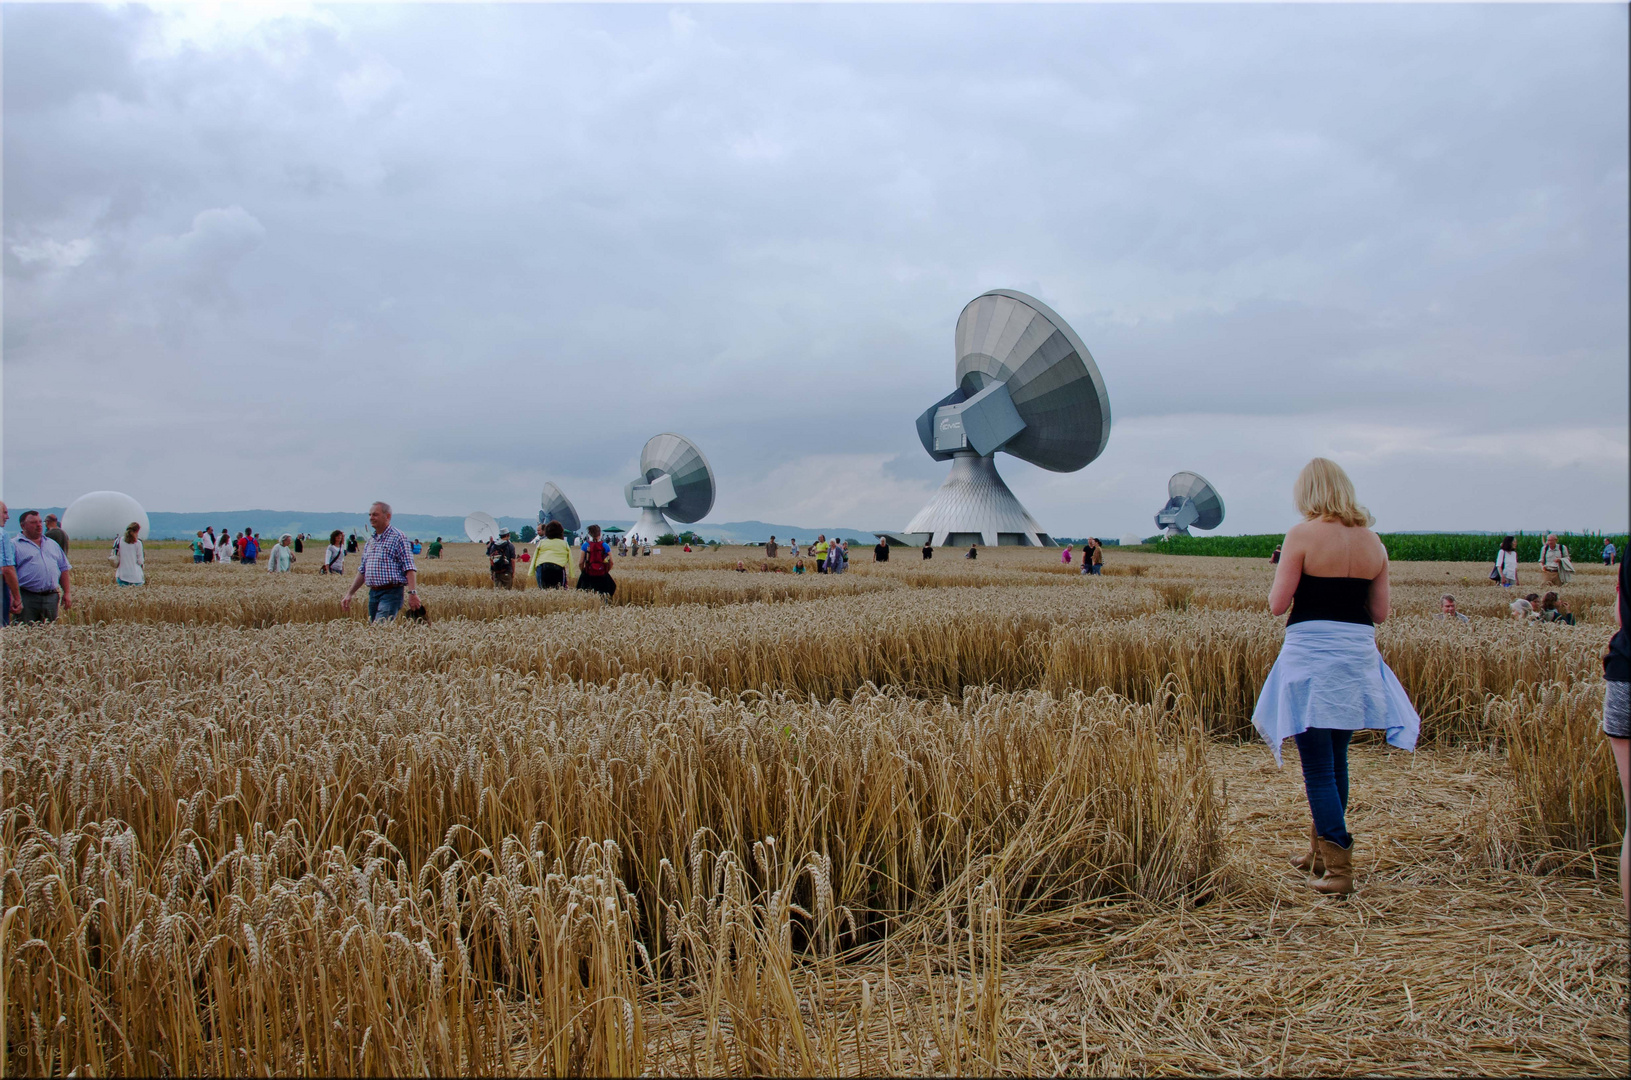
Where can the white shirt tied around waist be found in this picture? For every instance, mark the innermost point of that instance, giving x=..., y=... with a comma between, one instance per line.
x=1330, y=675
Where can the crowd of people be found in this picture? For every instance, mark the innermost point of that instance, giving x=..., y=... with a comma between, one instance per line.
x=1330, y=580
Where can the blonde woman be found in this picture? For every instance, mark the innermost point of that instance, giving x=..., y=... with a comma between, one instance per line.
x=1329, y=681
x=128, y=557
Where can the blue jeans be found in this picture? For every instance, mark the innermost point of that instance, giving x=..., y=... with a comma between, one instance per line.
x=384, y=603
x=1324, y=755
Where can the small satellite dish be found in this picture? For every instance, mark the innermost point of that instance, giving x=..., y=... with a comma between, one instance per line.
x=481, y=528
x=553, y=505
x=1026, y=385
x=675, y=479
x=1192, y=502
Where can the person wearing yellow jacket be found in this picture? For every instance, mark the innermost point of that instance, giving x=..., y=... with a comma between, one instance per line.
x=550, y=557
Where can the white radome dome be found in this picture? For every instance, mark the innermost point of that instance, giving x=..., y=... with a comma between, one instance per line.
x=103, y=515
x=1127, y=540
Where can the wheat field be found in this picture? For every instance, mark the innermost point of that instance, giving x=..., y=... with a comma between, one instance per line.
x=923, y=817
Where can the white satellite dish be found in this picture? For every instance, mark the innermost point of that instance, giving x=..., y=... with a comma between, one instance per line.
x=481, y=528
x=674, y=479
x=1191, y=501
x=103, y=515
x=1026, y=386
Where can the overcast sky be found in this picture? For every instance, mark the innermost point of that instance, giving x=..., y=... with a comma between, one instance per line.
x=441, y=254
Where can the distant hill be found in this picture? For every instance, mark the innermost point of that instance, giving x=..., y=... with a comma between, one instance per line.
x=172, y=526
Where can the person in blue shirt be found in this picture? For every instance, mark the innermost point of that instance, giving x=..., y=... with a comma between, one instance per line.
x=12, y=603
x=1608, y=553
x=42, y=572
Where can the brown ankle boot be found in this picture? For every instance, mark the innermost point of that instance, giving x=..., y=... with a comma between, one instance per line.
x=1310, y=863
x=1338, y=879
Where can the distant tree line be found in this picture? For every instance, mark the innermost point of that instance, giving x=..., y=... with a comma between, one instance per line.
x=1404, y=547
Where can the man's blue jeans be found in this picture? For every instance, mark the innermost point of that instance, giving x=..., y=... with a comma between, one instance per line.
x=383, y=604
x=1324, y=754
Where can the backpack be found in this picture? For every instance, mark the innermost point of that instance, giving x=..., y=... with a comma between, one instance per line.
x=594, y=559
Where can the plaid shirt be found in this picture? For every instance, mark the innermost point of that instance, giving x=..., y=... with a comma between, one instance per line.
x=387, y=559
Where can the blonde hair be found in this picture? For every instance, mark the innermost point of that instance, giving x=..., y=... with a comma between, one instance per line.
x=1324, y=491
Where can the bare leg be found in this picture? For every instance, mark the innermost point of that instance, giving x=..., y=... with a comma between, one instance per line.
x=1622, y=758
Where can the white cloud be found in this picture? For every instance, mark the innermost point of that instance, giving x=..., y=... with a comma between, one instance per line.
x=54, y=254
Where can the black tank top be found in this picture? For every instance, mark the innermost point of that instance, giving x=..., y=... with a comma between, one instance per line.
x=1336, y=599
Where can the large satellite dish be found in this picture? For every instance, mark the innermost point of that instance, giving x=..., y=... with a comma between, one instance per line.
x=103, y=515
x=553, y=505
x=481, y=528
x=675, y=479
x=1192, y=502
x=1027, y=386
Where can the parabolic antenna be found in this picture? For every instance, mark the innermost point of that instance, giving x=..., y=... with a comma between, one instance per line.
x=1027, y=386
x=675, y=479
x=1192, y=502
x=553, y=505
x=103, y=515
x=481, y=528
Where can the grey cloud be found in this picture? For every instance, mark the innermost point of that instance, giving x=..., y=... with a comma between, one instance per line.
x=483, y=240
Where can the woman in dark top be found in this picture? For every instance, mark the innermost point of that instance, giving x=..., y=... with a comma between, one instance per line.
x=1329, y=681
x=1617, y=717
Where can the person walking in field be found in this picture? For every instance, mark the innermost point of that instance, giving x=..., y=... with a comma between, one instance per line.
x=1555, y=566
x=252, y=547
x=1506, y=563
x=1065, y=556
x=44, y=577
x=501, y=560
x=1095, y=556
x=223, y=546
x=881, y=552
x=334, y=557
x=1617, y=717
x=435, y=551
x=928, y=549
x=595, y=566
x=207, y=540
x=770, y=548
x=128, y=559
x=281, y=557
x=387, y=569
x=818, y=552
x=1608, y=553
x=1329, y=681
x=550, y=557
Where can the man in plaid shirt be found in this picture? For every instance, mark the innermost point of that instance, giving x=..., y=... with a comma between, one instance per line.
x=387, y=569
